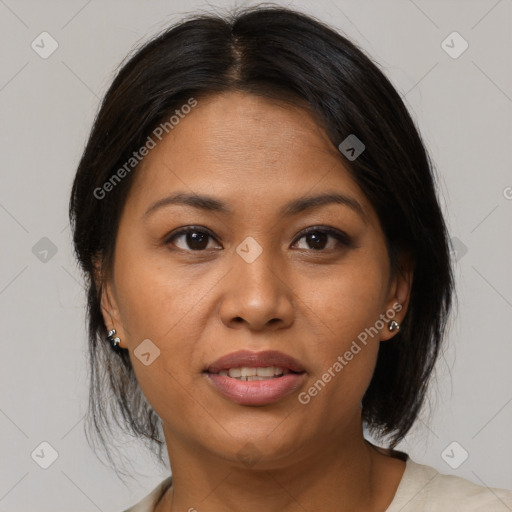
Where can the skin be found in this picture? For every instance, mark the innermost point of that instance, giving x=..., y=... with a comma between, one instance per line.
x=255, y=155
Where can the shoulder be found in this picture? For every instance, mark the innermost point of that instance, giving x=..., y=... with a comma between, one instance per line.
x=148, y=503
x=424, y=489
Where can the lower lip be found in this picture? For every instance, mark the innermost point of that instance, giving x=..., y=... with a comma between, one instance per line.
x=256, y=392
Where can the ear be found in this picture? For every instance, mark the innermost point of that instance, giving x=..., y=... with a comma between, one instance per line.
x=399, y=294
x=108, y=303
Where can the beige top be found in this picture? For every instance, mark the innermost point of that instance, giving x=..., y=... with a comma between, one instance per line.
x=421, y=489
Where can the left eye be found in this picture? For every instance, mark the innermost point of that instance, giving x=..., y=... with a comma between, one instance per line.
x=317, y=239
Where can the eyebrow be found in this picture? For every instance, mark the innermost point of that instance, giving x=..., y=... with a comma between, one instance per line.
x=299, y=205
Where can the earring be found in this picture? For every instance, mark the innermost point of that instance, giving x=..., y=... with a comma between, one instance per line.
x=114, y=340
x=393, y=326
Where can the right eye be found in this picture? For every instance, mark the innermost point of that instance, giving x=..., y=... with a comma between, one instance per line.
x=195, y=238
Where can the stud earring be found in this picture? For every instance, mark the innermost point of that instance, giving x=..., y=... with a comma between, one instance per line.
x=114, y=340
x=393, y=326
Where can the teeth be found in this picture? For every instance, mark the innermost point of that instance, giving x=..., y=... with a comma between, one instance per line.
x=265, y=372
x=247, y=373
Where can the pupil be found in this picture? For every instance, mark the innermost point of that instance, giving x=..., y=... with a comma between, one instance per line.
x=197, y=240
x=317, y=240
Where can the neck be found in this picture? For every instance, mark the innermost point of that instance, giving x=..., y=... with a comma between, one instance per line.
x=331, y=476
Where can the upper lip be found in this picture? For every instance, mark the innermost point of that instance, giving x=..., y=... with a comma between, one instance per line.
x=255, y=360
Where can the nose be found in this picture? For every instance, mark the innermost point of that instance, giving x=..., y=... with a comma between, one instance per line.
x=257, y=296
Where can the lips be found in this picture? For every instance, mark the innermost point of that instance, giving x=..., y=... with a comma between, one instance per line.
x=246, y=358
x=256, y=392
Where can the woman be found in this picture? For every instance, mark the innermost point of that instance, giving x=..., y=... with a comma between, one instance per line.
x=257, y=218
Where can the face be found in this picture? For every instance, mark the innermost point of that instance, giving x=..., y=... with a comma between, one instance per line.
x=254, y=274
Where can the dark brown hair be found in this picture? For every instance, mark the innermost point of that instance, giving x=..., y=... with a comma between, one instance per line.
x=276, y=53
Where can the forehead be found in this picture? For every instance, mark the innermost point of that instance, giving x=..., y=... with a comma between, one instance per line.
x=245, y=148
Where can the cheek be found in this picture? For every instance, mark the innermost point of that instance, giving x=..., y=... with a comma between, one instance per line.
x=154, y=297
x=349, y=297
x=169, y=305
x=346, y=307
x=159, y=303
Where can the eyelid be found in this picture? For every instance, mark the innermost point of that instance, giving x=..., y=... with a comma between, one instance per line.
x=188, y=229
x=340, y=235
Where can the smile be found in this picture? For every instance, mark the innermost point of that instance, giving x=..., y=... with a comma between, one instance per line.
x=249, y=374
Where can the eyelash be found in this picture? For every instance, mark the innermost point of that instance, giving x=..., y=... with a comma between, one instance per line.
x=341, y=237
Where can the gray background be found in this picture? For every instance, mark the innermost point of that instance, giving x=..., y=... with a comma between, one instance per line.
x=463, y=108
